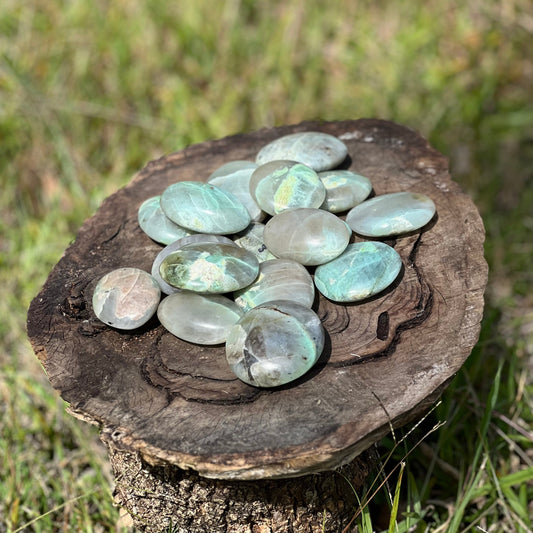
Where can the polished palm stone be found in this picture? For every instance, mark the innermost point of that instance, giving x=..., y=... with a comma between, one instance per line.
x=344, y=189
x=364, y=269
x=126, y=298
x=281, y=185
x=320, y=151
x=278, y=279
x=157, y=225
x=210, y=268
x=173, y=247
x=274, y=343
x=252, y=240
x=234, y=177
x=391, y=214
x=199, y=318
x=308, y=236
x=204, y=208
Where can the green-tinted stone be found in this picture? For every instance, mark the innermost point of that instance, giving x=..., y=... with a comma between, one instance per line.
x=320, y=151
x=210, y=268
x=126, y=298
x=204, y=208
x=281, y=185
x=199, y=318
x=197, y=238
x=362, y=270
x=157, y=225
x=308, y=236
x=344, y=189
x=234, y=177
x=391, y=214
x=278, y=279
x=251, y=239
x=274, y=343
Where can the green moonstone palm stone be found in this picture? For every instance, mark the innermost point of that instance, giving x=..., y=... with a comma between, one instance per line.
x=278, y=279
x=210, y=268
x=363, y=269
x=126, y=298
x=308, y=236
x=234, y=177
x=204, y=208
x=391, y=214
x=344, y=189
x=199, y=318
x=274, y=343
x=157, y=225
x=252, y=240
x=281, y=185
x=320, y=151
x=173, y=247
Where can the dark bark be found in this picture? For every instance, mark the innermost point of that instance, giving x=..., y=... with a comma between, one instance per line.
x=386, y=359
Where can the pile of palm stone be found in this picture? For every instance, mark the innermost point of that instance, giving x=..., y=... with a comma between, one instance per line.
x=228, y=276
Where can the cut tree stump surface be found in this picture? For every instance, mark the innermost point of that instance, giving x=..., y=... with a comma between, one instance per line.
x=385, y=361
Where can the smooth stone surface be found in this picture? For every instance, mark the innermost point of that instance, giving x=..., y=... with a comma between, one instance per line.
x=173, y=247
x=157, y=225
x=391, y=214
x=210, y=268
x=344, y=189
x=281, y=185
x=234, y=177
x=278, y=279
x=126, y=298
x=320, y=151
x=274, y=343
x=204, y=208
x=199, y=318
x=308, y=236
x=252, y=240
x=364, y=269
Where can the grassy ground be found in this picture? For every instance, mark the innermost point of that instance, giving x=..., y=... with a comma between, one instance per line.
x=90, y=91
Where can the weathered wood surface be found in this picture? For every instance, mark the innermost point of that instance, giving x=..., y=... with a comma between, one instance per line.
x=386, y=360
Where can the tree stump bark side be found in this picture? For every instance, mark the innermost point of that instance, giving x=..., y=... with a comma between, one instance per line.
x=167, y=498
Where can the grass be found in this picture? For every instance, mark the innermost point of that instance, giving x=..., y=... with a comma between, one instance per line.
x=90, y=91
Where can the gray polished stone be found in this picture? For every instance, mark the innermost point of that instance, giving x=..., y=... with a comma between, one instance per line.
x=391, y=214
x=344, y=189
x=320, y=151
x=308, y=236
x=278, y=279
x=126, y=298
x=274, y=343
x=199, y=318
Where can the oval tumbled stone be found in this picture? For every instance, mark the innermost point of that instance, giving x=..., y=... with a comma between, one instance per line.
x=308, y=236
x=274, y=343
x=126, y=298
x=234, y=177
x=204, y=208
x=391, y=214
x=199, y=318
x=197, y=238
x=320, y=151
x=210, y=268
x=278, y=279
x=362, y=270
x=344, y=189
x=157, y=225
x=281, y=185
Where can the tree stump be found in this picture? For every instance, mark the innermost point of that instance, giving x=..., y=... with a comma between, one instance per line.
x=194, y=447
